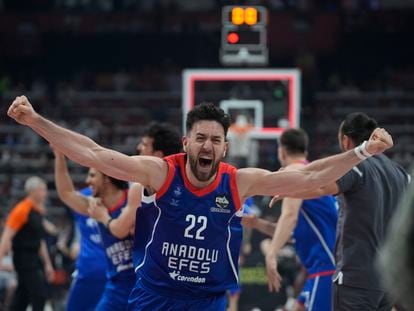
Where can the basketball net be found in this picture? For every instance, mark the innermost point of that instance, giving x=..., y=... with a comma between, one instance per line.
x=239, y=138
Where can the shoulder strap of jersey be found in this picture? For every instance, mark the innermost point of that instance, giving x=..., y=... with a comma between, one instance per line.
x=172, y=161
x=120, y=203
x=232, y=171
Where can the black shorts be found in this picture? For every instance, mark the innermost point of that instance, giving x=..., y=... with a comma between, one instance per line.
x=346, y=298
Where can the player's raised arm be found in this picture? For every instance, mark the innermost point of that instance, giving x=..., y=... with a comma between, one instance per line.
x=65, y=188
x=319, y=173
x=149, y=171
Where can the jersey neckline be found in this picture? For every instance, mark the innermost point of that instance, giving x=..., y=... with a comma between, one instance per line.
x=119, y=203
x=199, y=191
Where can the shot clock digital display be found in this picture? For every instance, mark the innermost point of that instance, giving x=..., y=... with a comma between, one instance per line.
x=244, y=35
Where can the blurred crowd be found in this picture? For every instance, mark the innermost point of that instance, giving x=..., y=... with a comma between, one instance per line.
x=205, y=5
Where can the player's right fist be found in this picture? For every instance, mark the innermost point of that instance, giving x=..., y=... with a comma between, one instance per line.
x=22, y=111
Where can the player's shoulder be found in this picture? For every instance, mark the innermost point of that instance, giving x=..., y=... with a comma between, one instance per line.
x=175, y=159
x=228, y=168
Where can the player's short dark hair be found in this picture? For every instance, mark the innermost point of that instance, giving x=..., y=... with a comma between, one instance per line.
x=209, y=112
x=119, y=184
x=295, y=141
x=165, y=138
x=358, y=127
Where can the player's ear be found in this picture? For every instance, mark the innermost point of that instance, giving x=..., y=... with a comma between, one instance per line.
x=348, y=143
x=185, y=142
x=225, y=149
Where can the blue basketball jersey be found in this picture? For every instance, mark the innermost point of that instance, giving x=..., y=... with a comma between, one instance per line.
x=315, y=234
x=91, y=262
x=118, y=251
x=187, y=241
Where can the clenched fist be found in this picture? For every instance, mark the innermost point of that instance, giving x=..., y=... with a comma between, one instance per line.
x=22, y=111
x=379, y=141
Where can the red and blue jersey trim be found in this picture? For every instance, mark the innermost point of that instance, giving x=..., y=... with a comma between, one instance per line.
x=177, y=161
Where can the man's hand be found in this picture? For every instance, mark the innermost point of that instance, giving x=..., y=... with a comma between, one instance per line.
x=50, y=273
x=379, y=141
x=273, y=277
x=22, y=111
x=98, y=211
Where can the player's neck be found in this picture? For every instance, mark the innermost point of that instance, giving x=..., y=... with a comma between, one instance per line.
x=194, y=181
x=297, y=159
x=111, y=196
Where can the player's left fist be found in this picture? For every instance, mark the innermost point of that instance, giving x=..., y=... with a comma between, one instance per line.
x=22, y=111
x=379, y=141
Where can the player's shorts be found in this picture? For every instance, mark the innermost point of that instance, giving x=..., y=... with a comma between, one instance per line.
x=115, y=295
x=85, y=294
x=317, y=292
x=143, y=299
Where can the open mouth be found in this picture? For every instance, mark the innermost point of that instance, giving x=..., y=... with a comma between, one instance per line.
x=205, y=162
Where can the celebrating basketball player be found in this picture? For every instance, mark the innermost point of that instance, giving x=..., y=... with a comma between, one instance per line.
x=313, y=223
x=195, y=234
x=119, y=267
x=159, y=140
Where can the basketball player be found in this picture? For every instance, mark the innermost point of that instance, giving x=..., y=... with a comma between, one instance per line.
x=89, y=283
x=90, y=275
x=194, y=232
x=113, y=193
x=370, y=193
x=159, y=140
x=24, y=234
x=313, y=224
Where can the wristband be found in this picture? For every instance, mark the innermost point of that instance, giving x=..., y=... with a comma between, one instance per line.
x=108, y=222
x=364, y=149
x=361, y=151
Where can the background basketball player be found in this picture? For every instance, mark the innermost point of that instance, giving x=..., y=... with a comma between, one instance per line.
x=113, y=194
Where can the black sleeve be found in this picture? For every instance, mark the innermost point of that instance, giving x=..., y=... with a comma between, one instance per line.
x=350, y=180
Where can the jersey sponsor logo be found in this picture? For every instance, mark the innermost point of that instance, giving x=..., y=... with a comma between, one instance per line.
x=176, y=276
x=121, y=268
x=222, y=205
x=193, y=259
x=219, y=210
x=222, y=201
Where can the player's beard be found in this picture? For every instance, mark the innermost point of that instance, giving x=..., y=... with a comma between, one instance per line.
x=202, y=176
